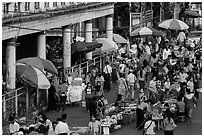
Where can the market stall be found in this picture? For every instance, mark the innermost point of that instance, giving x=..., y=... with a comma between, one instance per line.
x=75, y=90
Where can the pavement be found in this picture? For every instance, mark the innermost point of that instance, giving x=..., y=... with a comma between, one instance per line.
x=78, y=116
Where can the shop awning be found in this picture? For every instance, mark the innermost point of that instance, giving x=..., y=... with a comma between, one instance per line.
x=84, y=46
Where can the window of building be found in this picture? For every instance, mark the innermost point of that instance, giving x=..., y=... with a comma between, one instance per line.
x=37, y=5
x=27, y=6
x=63, y=3
x=54, y=4
x=46, y=4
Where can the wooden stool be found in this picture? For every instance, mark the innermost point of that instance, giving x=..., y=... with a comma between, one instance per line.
x=181, y=118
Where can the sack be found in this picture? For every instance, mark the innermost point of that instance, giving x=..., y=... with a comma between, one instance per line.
x=83, y=103
x=174, y=126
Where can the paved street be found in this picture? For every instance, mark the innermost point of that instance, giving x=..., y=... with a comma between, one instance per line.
x=78, y=116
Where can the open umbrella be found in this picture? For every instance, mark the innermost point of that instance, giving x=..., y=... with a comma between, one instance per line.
x=85, y=46
x=32, y=76
x=174, y=24
x=116, y=37
x=39, y=63
x=145, y=31
x=192, y=13
x=107, y=44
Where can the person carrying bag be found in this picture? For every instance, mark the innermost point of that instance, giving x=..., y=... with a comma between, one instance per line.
x=149, y=127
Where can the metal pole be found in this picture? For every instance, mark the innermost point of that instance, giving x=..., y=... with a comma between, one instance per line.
x=16, y=102
x=4, y=106
x=130, y=17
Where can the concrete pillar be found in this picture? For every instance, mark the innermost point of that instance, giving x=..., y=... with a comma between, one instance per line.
x=22, y=7
x=11, y=64
x=177, y=10
x=88, y=36
x=109, y=27
x=66, y=34
x=41, y=45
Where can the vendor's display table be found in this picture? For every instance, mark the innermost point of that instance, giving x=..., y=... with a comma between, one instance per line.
x=105, y=128
x=75, y=93
x=159, y=121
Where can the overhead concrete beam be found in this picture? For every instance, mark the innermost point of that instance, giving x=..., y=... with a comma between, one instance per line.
x=55, y=22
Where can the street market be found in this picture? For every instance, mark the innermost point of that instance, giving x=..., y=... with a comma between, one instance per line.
x=154, y=76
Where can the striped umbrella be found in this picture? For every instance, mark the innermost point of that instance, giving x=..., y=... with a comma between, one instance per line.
x=174, y=24
x=32, y=76
x=145, y=31
x=116, y=38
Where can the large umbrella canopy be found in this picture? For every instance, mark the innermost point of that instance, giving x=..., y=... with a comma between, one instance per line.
x=116, y=37
x=32, y=76
x=145, y=31
x=174, y=24
x=192, y=13
x=107, y=44
x=39, y=63
x=85, y=46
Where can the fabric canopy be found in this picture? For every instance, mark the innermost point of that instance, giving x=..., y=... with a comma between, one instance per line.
x=107, y=44
x=116, y=38
x=145, y=31
x=32, y=76
x=192, y=13
x=84, y=46
x=39, y=63
x=174, y=24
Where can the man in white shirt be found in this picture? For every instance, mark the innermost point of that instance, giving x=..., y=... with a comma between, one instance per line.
x=62, y=128
x=107, y=71
x=131, y=78
x=13, y=126
x=149, y=127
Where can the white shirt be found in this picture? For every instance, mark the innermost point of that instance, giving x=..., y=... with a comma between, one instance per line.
x=183, y=77
x=167, y=85
x=62, y=127
x=166, y=53
x=121, y=51
x=49, y=123
x=14, y=127
x=190, y=85
x=107, y=69
x=150, y=130
x=152, y=85
x=181, y=37
x=147, y=49
x=131, y=78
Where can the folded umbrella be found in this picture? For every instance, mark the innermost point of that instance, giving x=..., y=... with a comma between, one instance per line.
x=39, y=63
x=32, y=76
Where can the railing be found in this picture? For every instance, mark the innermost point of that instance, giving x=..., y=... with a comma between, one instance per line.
x=14, y=102
x=85, y=67
x=17, y=101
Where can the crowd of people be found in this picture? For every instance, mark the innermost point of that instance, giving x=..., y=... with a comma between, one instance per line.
x=148, y=73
